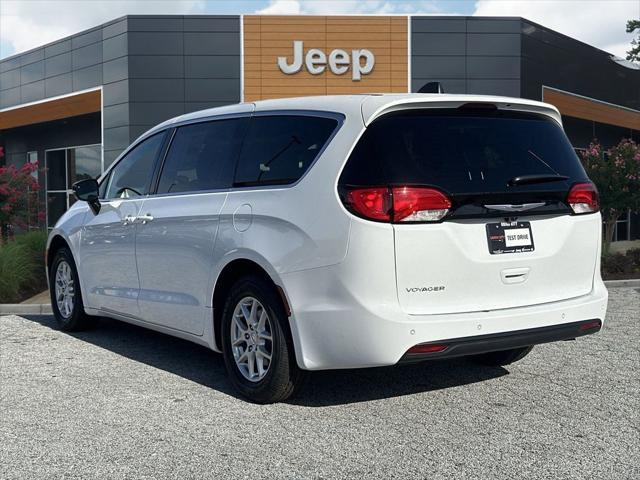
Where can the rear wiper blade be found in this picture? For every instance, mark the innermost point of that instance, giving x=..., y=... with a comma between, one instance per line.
x=540, y=178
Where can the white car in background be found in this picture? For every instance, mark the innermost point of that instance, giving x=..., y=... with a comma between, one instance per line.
x=340, y=232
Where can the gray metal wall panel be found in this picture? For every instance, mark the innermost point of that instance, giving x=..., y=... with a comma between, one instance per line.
x=115, y=70
x=152, y=113
x=493, y=67
x=57, y=65
x=115, y=93
x=10, y=97
x=32, y=72
x=438, y=43
x=32, y=92
x=32, y=56
x=117, y=137
x=87, y=38
x=114, y=29
x=212, y=24
x=60, y=85
x=9, y=64
x=211, y=43
x=450, y=85
x=155, y=43
x=114, y=47
x=211, y=89
x=87, y=78
x=156, y=66
x=197, y=106
x=155, y=24
x=87, y=56
x=10, y=79
x=493, y=25
x=57, y=48
x=156, y=90
x=116, y=115
x=506, y=87
x=216, y=66
x=443, y=67
x=435, y=25
x=493, y=44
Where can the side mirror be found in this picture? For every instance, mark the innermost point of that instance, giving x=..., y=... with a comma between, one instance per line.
x=87, y=191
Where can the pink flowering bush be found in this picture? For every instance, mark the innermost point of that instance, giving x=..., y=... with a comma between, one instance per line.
x=18, y=197
x=616, y=173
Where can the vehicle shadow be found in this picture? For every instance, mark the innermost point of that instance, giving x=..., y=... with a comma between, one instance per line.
x=327, y=388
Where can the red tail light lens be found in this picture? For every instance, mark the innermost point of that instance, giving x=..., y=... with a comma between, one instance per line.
x=399, y=204
x=583, y=198
x=372, y=203
x=416, y=204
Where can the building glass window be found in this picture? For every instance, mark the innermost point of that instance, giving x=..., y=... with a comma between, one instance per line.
x=622, y=230
x=64, y=167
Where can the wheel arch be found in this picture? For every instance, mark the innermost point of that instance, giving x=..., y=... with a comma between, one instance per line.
x=231, y=273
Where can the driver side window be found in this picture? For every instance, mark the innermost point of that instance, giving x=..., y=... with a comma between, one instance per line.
x=132, y=176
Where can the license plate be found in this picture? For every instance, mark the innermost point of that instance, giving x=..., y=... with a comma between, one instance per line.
x=509, y=237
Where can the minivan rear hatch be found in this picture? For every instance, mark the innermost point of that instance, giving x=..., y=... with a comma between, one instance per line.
x=508, y=236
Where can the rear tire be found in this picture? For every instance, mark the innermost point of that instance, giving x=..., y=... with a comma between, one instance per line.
x=66, y=297
x=503, y=357
x=256, y=343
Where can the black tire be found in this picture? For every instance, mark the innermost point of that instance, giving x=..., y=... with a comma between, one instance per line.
x=283, y=377
x=503, y=357
x=77, y=319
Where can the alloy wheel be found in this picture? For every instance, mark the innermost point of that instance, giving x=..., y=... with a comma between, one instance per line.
x=251, y=339
x=65, y=289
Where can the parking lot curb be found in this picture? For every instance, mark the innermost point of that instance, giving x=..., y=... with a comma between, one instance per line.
x=633, y=283
x=25, y=309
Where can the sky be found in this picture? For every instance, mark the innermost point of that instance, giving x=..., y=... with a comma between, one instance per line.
x=25, y=24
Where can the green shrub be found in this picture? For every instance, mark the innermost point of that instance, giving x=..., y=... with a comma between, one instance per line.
x=22, y=266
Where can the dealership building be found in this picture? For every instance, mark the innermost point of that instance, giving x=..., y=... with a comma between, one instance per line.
x=75, y=104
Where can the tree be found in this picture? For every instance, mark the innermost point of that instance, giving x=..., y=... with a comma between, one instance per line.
x=633, y=55
x=18, y=198
x=616, y=174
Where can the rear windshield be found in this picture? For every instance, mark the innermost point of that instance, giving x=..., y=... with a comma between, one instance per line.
x=463, y=152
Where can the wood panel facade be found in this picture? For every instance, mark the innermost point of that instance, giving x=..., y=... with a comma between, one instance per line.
x=590, y=109
x=268, y=37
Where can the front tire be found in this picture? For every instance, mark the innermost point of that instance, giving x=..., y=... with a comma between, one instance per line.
x=256, y=344
x=503, y=357
x=66, y=297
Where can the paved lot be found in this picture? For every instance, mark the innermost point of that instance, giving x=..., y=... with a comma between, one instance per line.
x=123, y=402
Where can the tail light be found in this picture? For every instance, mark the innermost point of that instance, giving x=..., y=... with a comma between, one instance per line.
x=583, y=198
x=398, y=204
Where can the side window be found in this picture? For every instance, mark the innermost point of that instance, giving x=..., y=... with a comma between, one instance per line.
x=202, y=156
x=132, y=175
x=279, y=149
x=102, y=190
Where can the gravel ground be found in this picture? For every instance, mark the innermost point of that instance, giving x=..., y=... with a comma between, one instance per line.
x=123, y=402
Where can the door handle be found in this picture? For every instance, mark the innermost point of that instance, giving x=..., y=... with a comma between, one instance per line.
x=128, y=219
x=145, y=218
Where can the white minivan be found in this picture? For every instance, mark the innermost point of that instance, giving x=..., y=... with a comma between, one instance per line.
x=340, y=232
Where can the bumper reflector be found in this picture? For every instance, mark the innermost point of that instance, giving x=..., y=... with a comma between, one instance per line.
x=592, y=325
x=427, y=348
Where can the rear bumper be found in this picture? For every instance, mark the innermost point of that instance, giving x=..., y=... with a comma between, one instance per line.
x=336, y=326
x=459, y=347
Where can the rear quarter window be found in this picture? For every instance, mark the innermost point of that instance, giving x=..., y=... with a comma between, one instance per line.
x=279, y=149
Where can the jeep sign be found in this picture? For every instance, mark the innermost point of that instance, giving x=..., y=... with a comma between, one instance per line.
x=361, y=61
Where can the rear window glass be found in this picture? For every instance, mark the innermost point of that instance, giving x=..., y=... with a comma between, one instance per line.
x=462, y=152
x=280, y=149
